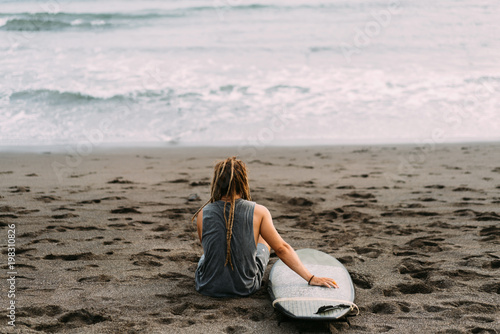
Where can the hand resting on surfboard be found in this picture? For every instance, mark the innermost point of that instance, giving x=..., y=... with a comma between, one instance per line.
x=283, y=250
x=323, y=281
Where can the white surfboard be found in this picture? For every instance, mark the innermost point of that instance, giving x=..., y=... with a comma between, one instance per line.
x=295, y=298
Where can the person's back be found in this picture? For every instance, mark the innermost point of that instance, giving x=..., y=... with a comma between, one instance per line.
x=244, y=277
x=236, y=268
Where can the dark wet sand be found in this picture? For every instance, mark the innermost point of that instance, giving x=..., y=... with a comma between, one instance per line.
x=105, y=245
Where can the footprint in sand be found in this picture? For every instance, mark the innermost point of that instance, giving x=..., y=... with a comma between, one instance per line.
x=94, y=279
x=235, y=329
x=372, y=251
x=426, y=244
x=414, y=288
x=18, y=189
x=175, y=213
x=490, y=233
x=383, y=308
x=65, y=215
x=81, y=317
x=50, y=310
x=91, y=201
x=199, y=183
x=473, y=307
x=491, y=287
x=165, y=321
x=300, y=201
x=435, y=186
x=360, y=195
x=61, y=208
x=123, y=210
x=416, y=268
x=71, y=257
x=184, y=256
x=161, y=228
x=361, y=281
x=48, y=198
x=465, y=275
x=145, y=259
x=120, y=180
x=408, y=213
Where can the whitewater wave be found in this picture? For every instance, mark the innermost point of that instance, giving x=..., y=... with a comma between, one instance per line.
x=46, y=24
x=59, y=97
x=3, y=21
x=44, y=21
x=61, y=21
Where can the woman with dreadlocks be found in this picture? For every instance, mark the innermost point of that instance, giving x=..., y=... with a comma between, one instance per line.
x=237, y=236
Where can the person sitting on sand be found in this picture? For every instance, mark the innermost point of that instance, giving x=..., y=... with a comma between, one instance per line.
x=237, y=236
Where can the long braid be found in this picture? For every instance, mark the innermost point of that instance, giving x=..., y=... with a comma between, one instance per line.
x=229, y=222
x=236, y=185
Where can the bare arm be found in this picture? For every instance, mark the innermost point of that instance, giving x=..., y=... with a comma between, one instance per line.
x=285, y=252
x=199, y=224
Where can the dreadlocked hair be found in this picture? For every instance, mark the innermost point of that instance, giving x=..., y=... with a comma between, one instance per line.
x=229, y=180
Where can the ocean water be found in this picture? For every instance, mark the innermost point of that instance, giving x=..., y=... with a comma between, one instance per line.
x=236, y=72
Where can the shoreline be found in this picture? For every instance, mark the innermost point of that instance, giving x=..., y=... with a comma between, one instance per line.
x=102, y=147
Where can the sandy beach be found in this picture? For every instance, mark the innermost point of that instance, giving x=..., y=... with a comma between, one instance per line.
x=104, y=242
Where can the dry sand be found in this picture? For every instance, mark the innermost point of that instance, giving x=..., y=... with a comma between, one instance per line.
x=104, y=242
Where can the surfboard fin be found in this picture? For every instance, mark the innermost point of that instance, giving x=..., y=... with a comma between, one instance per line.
x=327, y=308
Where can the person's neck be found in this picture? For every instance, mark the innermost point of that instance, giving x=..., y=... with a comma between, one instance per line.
x=227, y=199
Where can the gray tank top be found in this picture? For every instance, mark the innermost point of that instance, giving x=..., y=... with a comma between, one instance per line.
x=212, y=277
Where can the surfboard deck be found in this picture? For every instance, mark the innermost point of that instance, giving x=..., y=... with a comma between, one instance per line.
x=295, y=298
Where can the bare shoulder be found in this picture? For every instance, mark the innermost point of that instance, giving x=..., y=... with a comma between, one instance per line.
x=261, y=210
